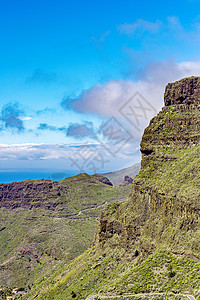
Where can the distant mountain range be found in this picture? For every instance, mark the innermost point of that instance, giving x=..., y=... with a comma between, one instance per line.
x=117, y=177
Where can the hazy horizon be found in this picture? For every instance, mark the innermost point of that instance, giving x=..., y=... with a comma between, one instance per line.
x=80, y=81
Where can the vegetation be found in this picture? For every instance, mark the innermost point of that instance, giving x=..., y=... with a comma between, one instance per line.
x=148, y=245
x=34, y=240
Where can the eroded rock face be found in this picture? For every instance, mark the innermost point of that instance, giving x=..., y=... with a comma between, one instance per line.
x=165, y=199
x=185, y=91
x=177, y=125
x=44, y=193
x=31, y=194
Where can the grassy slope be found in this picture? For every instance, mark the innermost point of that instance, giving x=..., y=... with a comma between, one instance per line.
x=34, y=241
x=162, y=252
x=118, y=176
x=161, y=272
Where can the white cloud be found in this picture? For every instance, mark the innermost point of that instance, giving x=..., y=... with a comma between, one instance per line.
x=106, y=100
x=86, y=157
x=31, y=151
x=162, y=72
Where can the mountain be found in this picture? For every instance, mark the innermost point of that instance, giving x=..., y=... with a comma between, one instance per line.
x=149, y=245
x=117, y=177
x=44, y=224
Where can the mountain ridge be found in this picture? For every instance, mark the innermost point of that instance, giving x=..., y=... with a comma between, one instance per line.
x=44, y=224
x=149, y=243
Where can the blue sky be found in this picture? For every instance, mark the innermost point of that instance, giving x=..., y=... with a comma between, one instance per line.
x=68, y=67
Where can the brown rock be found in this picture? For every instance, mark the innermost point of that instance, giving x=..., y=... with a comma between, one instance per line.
x=127, y=180
x=185, y=91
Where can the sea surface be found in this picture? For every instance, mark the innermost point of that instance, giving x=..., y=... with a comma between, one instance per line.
x=11, y=176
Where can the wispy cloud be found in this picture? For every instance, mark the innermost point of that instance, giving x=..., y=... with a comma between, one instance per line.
x=161, y=31
x=101, y=39
x=99, y=43
x=40, y=151
x=162, y=72
x=46, y=110
x=45, y=126
x=105, y=100
x=140, y=26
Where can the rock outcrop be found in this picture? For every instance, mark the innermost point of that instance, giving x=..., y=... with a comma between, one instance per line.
x=31, y=194
x=177, y=125
x=127, y=180
x=46, y=194
x=103, y=179
x=166, y=191
x=185, y=91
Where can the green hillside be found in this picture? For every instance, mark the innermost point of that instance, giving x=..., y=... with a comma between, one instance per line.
x=44, y=224
x=149, y=245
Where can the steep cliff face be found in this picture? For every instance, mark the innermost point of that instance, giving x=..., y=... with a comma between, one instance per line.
x=163, y=208
x=151, y=242
x=185, y=91
x=176, y=127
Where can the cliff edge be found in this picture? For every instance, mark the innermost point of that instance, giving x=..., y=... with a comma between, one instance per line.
x=149, y=245
x=165, y=195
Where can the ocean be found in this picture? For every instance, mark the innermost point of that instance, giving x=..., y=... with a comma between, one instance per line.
x=11, y=176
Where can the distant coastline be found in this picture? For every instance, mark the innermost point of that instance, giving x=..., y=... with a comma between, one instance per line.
x=11, y=176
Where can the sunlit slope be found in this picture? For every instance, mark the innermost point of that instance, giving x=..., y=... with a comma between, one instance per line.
x=44, y=224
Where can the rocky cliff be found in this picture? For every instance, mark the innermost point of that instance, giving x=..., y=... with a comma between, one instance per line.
x=46, y=194
x=149, y=244
x=167, y=189
x=185, y=91
x=177, y=125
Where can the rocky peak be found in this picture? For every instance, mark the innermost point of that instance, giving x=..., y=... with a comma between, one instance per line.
x=166, y=190
x=102, y=179
x=127, y=180
x=177, y=125
x=185, y=91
